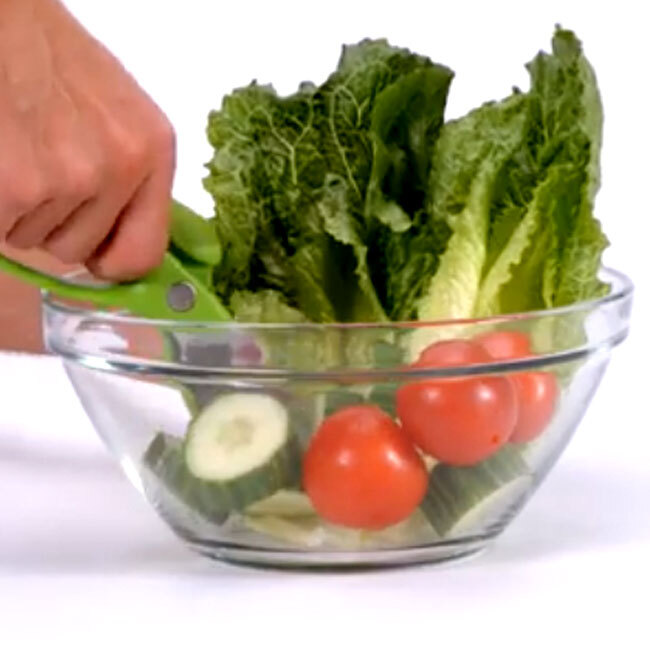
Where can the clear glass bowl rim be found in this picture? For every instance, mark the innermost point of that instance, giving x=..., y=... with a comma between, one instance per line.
x=622, y=288
x=621, y=292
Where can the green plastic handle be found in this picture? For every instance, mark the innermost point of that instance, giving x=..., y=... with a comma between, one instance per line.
x=147, y=297
x=194, y=236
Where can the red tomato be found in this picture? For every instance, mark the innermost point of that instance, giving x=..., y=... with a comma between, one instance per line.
x=361, y=471
x=537, y=392
x=455, y=352
x=537, y=395
x=506, y=344
x=459, y=421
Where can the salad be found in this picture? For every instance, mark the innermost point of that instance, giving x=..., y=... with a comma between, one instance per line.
x=356, y=201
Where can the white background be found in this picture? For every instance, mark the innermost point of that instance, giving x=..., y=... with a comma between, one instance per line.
x=83, y=562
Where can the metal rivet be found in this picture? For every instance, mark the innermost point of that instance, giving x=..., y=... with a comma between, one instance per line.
x=181, y=296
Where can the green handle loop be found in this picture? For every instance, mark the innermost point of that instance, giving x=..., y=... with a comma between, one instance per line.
x=147, y=297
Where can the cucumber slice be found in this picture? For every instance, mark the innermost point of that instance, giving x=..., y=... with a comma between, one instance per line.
x=467, y=500
x=302, y=532
x=312, y=532
x=242, y=445
x=235, y=435
x=285, y=503
x=307, y=532
x=214, y=501
x=165, y=462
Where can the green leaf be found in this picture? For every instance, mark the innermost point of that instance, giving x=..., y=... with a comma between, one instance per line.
x=404, y=263
x=406, y=119
x=515, y=181
x=234, y=181
x=266, y=306
x=550, y=190
x=301, y=183
x=468, y=158
x=351, y=201
x=521, y=252
x=362, y=303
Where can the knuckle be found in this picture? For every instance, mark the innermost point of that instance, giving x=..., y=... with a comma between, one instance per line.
x=137, y=151
x=26, y=192
x=132, y=159
x=83, y=179
x=121, y=264
x=126, y=155
x=164, y=137
x=148, y=258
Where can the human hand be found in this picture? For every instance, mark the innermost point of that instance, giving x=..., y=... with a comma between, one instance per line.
x=86, y=157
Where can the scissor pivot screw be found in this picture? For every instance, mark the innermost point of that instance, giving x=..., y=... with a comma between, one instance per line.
x=181, y=296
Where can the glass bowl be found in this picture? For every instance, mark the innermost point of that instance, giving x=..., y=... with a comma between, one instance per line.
x=325, y=444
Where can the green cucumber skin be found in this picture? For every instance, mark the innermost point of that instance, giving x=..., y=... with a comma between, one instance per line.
x=282, y=470
x=215, y=501
x=166, y=461
x=454, y=491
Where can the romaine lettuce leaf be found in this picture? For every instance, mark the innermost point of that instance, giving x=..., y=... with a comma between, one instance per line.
x=565, y=136
x=515, y=181
x=303, y=183
x=265, y=306
x=468, y=158
x=351, y=201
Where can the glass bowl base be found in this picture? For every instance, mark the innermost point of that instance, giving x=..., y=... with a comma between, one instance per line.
x=438, y=553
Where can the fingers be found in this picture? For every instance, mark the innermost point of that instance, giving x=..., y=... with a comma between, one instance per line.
x=122, y=234
x=33, y=228
x=76, y=175
x=23, y=192
x=124, y=197
x=76, y=171
x=137, y=243
x=82, y=231
x=86, y=158
x=139, y=240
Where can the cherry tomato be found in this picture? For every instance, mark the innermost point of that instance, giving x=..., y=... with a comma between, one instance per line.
x=361, y=471
x=506, y=344
x=454, y=352
x=537, y=395
x=537, y=392
x=459, y=421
